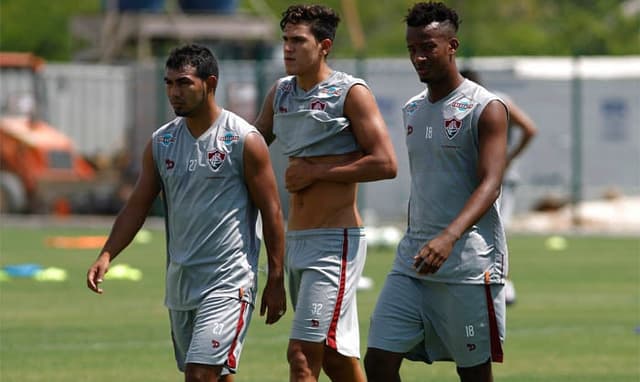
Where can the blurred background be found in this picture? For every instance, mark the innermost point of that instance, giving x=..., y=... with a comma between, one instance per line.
x=81, y=90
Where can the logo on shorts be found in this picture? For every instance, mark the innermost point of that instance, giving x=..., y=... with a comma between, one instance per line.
x=315, y=323
x=215, y=344
x=471, y=347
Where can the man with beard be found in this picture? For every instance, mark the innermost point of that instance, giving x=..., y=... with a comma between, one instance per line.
x=213, y=171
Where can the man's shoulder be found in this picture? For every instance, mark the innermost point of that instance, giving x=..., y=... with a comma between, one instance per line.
x=413, y=102
x=285, y=84
x=170, y=126
x=477, y=91
x=237, y=123
x=346, y=79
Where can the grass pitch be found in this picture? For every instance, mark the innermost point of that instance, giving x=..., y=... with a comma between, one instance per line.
x=577, y=317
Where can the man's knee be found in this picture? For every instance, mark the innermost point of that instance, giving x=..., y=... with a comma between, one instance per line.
x=332, y=360
x=304, y=358
x=201, y=373
x=339, y=367
x=479, y=373
x=383, y=366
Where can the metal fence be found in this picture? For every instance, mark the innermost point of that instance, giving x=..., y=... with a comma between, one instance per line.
x=109, y=109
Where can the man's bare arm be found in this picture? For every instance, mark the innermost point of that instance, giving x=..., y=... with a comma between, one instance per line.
x=263, y=190
x=129, y=220
x=492, y=134
x=264, y=122
x=378, y=160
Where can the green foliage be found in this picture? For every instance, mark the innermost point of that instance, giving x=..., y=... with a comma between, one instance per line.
x=501, y=28
x=41, y=26
x=576, y=318
x=489, y=27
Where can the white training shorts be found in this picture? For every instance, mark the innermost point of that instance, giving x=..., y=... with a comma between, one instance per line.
x=212, y=334
x=434, y=321
x=323, y=269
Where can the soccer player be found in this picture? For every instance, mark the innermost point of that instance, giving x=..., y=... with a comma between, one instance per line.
x=518, y=119
x=443, y=298
x=214, y=172
x=334, y=135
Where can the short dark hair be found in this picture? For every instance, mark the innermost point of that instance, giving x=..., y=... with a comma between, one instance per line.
x=198, y=56
x=322, y=20
x=423, y=13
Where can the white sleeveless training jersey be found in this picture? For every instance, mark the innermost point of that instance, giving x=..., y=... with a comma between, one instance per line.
x=442, y=142
x=312, y=123
x=212, y=247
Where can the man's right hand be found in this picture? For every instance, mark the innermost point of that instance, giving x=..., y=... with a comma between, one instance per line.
x=95, y=274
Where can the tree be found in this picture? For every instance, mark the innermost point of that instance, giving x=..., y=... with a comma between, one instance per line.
x=41, y=26
x=489, y=27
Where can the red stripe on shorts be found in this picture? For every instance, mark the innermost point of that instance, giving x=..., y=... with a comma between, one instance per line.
x=231, y=361
x=496, y=345
x=333, y=327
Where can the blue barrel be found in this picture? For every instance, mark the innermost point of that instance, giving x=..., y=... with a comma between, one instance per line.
x=155, y=6
x=209, y=6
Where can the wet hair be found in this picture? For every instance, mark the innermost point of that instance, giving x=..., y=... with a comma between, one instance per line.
x=198, y=56
x=422, y=14
x=323, y=21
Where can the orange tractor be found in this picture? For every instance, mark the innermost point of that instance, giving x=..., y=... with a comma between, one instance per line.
x=40, y=171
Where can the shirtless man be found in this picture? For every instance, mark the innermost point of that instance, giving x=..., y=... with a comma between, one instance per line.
x=334, y=135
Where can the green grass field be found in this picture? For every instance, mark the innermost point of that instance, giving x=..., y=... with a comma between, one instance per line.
x=577, y=317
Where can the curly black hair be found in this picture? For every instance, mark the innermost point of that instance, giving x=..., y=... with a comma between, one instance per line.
x=322, y=20
x=198, y=56
x=425, y=13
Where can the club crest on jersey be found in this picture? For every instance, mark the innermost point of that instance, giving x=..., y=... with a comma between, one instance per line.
x=216, y=159
x=452, y=127
x=318, y=105
x=166, y=139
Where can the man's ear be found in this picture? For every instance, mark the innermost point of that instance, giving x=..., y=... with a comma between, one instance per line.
x=326, y=46
x=454, y=43
x=212, y=83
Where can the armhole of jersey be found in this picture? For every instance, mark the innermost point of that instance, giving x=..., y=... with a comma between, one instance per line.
x=153, y=153
x=276, y=93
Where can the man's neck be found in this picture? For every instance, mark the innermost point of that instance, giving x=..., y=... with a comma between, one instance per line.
x=444, y=86
x=307, y=81
x=200, y=123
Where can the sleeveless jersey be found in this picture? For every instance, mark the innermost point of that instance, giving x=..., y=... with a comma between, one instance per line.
x=313, y=123
x=212, y=247
x=442, y=142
